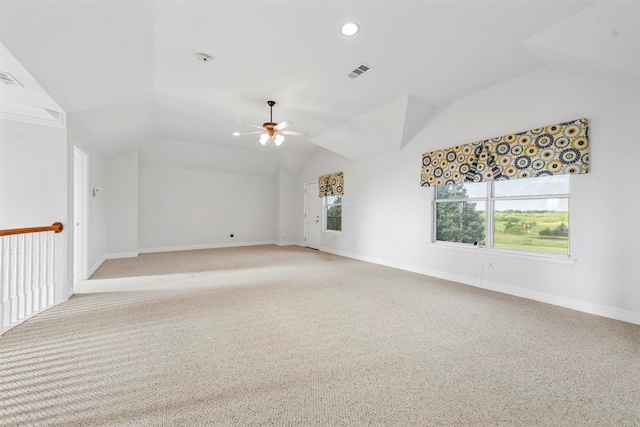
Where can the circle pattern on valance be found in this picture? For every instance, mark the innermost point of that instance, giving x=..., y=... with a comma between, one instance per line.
x=562, y=148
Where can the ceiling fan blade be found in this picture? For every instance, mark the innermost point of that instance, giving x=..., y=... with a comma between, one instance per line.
x=284, y=124
x=248, y=133
x=250, y=124
x=293, y=133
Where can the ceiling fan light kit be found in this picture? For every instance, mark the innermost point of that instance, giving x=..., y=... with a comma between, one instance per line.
x=271, y=131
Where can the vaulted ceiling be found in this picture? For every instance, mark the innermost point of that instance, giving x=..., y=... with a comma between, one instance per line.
x=126, y=72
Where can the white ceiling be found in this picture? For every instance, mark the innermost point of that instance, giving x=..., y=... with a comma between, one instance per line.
x=126, y=71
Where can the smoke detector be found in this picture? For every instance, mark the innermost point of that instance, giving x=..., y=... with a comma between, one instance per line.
x=203, y=57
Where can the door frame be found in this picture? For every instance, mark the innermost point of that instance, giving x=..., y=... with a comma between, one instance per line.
x=312, y=185
x=80, y=213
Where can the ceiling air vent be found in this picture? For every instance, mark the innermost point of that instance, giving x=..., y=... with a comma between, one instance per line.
x=358, y=71
x=8, y=79
x=56, y=115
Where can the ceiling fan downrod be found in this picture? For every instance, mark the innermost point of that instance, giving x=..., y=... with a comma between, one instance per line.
x=269, y=126
x=271, y=104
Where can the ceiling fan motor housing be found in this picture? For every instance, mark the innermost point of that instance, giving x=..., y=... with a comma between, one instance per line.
x=270, y=127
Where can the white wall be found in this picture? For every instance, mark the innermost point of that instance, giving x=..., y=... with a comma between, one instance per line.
x=33, y=186
x=33, y=181
x=121, y=193
x=277, y=205
x=287, y=210
x=97, y=229
x=387, y=215
x=189, y=209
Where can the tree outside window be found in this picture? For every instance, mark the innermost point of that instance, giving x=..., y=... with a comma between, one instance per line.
x=459, y=220
x=333, y=213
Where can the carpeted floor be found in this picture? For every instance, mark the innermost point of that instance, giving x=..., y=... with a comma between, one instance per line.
x=270, y=336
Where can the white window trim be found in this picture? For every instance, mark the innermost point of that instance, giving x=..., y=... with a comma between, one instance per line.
x=324, y=215
x=488, y=247
x=506, y=253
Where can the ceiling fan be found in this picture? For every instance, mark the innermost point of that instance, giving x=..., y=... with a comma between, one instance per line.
x=270, y=131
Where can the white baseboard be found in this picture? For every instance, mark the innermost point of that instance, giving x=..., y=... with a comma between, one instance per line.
x=186, y=248
x=584, y=306
x=288, y=243
x=122, y=255
x=96, y=266
x=13, y=325
x=205, y=246
x=604, y=311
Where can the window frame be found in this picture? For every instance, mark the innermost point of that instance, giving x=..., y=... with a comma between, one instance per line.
x=489, y=201
x=325, y=210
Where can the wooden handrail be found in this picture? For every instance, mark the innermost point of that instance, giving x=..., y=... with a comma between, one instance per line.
x=56, y=226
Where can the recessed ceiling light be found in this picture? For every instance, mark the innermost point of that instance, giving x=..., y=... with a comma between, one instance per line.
x=236, y=133
x=350, y=29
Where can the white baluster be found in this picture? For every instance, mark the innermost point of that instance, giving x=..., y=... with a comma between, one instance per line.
x=50, y=282
x=27, y=275
x=42, y=283
x=21, y=288
x=28, y=272
x=4, y=283
x=13, y=280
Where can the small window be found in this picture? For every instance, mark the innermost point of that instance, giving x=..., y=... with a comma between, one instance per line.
x=333, y=213
x=461, y=213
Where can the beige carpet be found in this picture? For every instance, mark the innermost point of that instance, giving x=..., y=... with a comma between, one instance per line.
x=269, y=336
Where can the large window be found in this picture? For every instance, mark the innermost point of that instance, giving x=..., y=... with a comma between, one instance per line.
x=525, y=214
x=332, y=213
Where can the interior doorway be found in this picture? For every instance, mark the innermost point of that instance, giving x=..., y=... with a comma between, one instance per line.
x=312, y=219
x=80, y=187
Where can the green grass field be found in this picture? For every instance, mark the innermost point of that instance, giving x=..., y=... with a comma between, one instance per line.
x=520, y=230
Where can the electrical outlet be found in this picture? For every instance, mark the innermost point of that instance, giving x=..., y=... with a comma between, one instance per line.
x=489, y=266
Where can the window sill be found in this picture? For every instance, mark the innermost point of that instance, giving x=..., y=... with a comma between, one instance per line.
x=542, y=257
x=332, y=231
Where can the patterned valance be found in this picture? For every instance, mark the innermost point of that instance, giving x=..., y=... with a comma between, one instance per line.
x=331, y=185
x=552, y=150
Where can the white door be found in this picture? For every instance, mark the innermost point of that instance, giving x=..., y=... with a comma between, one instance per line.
x=79, y=215
x=312, y=215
